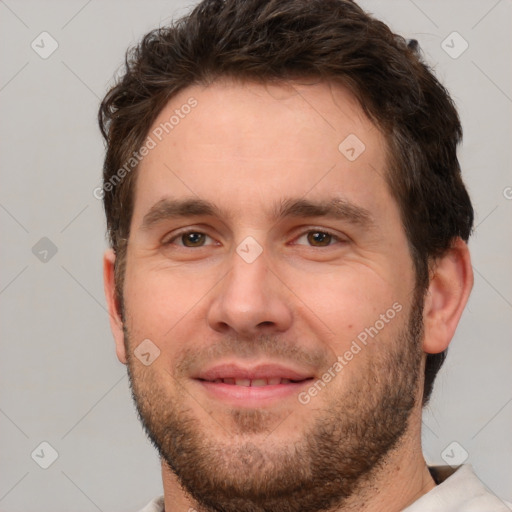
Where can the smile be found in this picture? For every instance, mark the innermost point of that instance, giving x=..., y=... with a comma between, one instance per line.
x=240, y=385
x=255, y=382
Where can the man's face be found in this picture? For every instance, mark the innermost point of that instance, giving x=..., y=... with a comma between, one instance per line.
x=280, y=297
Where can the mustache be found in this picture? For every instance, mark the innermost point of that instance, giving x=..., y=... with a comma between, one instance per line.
x=191, y=359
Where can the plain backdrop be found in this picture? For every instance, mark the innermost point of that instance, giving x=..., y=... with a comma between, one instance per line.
x=61, y=382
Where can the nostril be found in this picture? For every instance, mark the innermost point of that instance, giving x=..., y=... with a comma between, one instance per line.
x=266, y=324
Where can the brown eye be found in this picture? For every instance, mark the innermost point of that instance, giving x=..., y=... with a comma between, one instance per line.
x=193, y=239
x=319, y=238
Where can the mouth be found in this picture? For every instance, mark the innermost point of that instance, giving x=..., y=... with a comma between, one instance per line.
x=257, y=386
x=258, y=382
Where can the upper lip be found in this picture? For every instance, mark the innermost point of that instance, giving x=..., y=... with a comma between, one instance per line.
x=261, y=371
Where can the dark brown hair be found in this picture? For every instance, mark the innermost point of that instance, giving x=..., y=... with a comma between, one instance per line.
x=279, y=40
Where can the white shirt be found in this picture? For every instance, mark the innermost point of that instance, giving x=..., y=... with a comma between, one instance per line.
x=462, y=491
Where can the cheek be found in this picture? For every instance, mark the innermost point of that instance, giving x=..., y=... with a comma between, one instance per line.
x=349, y=301
x=160, y=302
x=333, y=305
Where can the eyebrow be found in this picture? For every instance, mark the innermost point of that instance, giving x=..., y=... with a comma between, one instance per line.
x=168, y=208
x=334, y=208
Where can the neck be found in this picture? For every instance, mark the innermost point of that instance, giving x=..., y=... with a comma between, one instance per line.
x=397, y=483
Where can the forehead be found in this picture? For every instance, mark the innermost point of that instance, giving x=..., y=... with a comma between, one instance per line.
x=244, y=142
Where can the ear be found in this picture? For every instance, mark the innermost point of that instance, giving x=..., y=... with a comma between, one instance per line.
x=116, y=322
x=451, y=282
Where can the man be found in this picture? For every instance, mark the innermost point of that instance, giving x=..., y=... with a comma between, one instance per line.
x=288, y=261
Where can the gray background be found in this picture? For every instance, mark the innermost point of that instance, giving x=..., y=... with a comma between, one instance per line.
x=60, y=379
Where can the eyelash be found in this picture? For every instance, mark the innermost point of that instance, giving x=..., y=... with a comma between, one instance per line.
x=178, y=235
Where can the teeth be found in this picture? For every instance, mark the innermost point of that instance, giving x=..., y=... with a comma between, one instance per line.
x=254, y=382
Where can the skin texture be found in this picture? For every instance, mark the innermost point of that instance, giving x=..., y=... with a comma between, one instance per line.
x=356, y=445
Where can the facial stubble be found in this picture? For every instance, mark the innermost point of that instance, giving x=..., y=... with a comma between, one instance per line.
x=249, y=472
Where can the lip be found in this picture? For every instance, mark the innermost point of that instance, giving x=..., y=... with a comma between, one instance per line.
x=260, y=371
x=251, y=396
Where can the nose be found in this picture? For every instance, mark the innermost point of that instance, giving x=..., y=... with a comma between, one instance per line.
x=250, y=300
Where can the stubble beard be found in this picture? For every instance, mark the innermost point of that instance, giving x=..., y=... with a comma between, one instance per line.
x=333, y=458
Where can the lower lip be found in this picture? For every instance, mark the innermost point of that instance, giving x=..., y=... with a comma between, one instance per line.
x=250, y=396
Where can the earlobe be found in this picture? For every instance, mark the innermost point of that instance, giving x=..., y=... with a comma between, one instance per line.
x=448, y=292
x=116, y=322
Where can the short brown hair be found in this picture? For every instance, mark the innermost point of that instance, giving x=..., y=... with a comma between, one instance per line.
x=279, y=40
